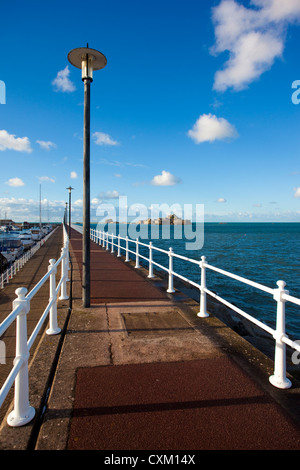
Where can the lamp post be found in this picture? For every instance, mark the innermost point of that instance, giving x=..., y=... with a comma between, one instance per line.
x=70, y=189
x=66, y=212
x=87, y=60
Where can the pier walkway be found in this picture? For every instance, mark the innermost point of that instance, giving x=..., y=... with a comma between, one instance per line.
x=138, y=370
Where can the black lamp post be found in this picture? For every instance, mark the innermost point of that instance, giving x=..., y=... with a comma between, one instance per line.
x=87, y=60
x=70, y=189
x=66, y=213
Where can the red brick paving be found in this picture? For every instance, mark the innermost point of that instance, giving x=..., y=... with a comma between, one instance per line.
x=112, y=280
x=208, y=404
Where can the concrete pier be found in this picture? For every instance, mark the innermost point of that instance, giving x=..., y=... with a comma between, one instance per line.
x=138, y=370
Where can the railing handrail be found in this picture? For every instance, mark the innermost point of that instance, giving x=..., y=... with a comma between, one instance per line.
x=23, y=413
x=269, y=290
x=42, y=281
x=280, y=295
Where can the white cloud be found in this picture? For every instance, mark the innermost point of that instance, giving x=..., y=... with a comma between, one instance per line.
x=78, y=203
x=15, y=182
x=221, y=199
x=297, y=192
x=47, y=179
x=104, y=139
x=279, y=10
x=20, y=209
x=254, y=38
x=165, y=179
x=95, y=201
x=11, y=142
x=62, y=81
x=118, y=175
x=46, y=145
x=209, y=128
x=73, y=175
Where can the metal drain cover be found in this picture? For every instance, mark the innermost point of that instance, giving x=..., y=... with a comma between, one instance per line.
x=155, y=323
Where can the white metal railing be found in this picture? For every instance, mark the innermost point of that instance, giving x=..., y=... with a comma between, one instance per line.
x=19, y=263
x=23, y=413
x=279, y=294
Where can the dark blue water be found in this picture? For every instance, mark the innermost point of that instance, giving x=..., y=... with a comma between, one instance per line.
x=261, y=252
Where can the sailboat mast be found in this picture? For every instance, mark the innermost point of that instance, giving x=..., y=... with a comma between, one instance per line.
x=40, y=206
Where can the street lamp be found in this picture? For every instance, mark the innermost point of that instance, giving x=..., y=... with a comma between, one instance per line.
x=66, y=213
x=70, y=189
x=87, y=60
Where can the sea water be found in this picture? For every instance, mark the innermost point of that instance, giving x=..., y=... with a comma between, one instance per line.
x=260, y=252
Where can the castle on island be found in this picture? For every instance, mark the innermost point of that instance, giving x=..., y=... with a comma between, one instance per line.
x=171, y=219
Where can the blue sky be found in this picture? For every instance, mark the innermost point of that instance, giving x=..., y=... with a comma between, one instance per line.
x=194, y=106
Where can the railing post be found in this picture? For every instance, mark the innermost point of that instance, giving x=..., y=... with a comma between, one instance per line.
x=170, y=287
x=112, y=243
x=63, y=293
x=119, y=246
x=53, y=328
x=107, y=241
x=279, y=379
x=150, y=275
x=137, y=259
x=203, y=312
x=22, y=412
x=127, y=253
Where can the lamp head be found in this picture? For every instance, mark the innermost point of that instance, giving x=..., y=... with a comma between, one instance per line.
x=87, y=60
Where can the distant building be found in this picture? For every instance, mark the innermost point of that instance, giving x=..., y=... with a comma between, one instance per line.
x=7, y=222
x=25, y=225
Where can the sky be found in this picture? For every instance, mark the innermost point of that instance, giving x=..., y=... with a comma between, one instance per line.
x=199, y=104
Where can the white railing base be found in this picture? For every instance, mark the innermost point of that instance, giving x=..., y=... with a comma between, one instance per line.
x=202, y=315
x=63, y=297
x=279, y=382
x=15, y=421
x=51, y=331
